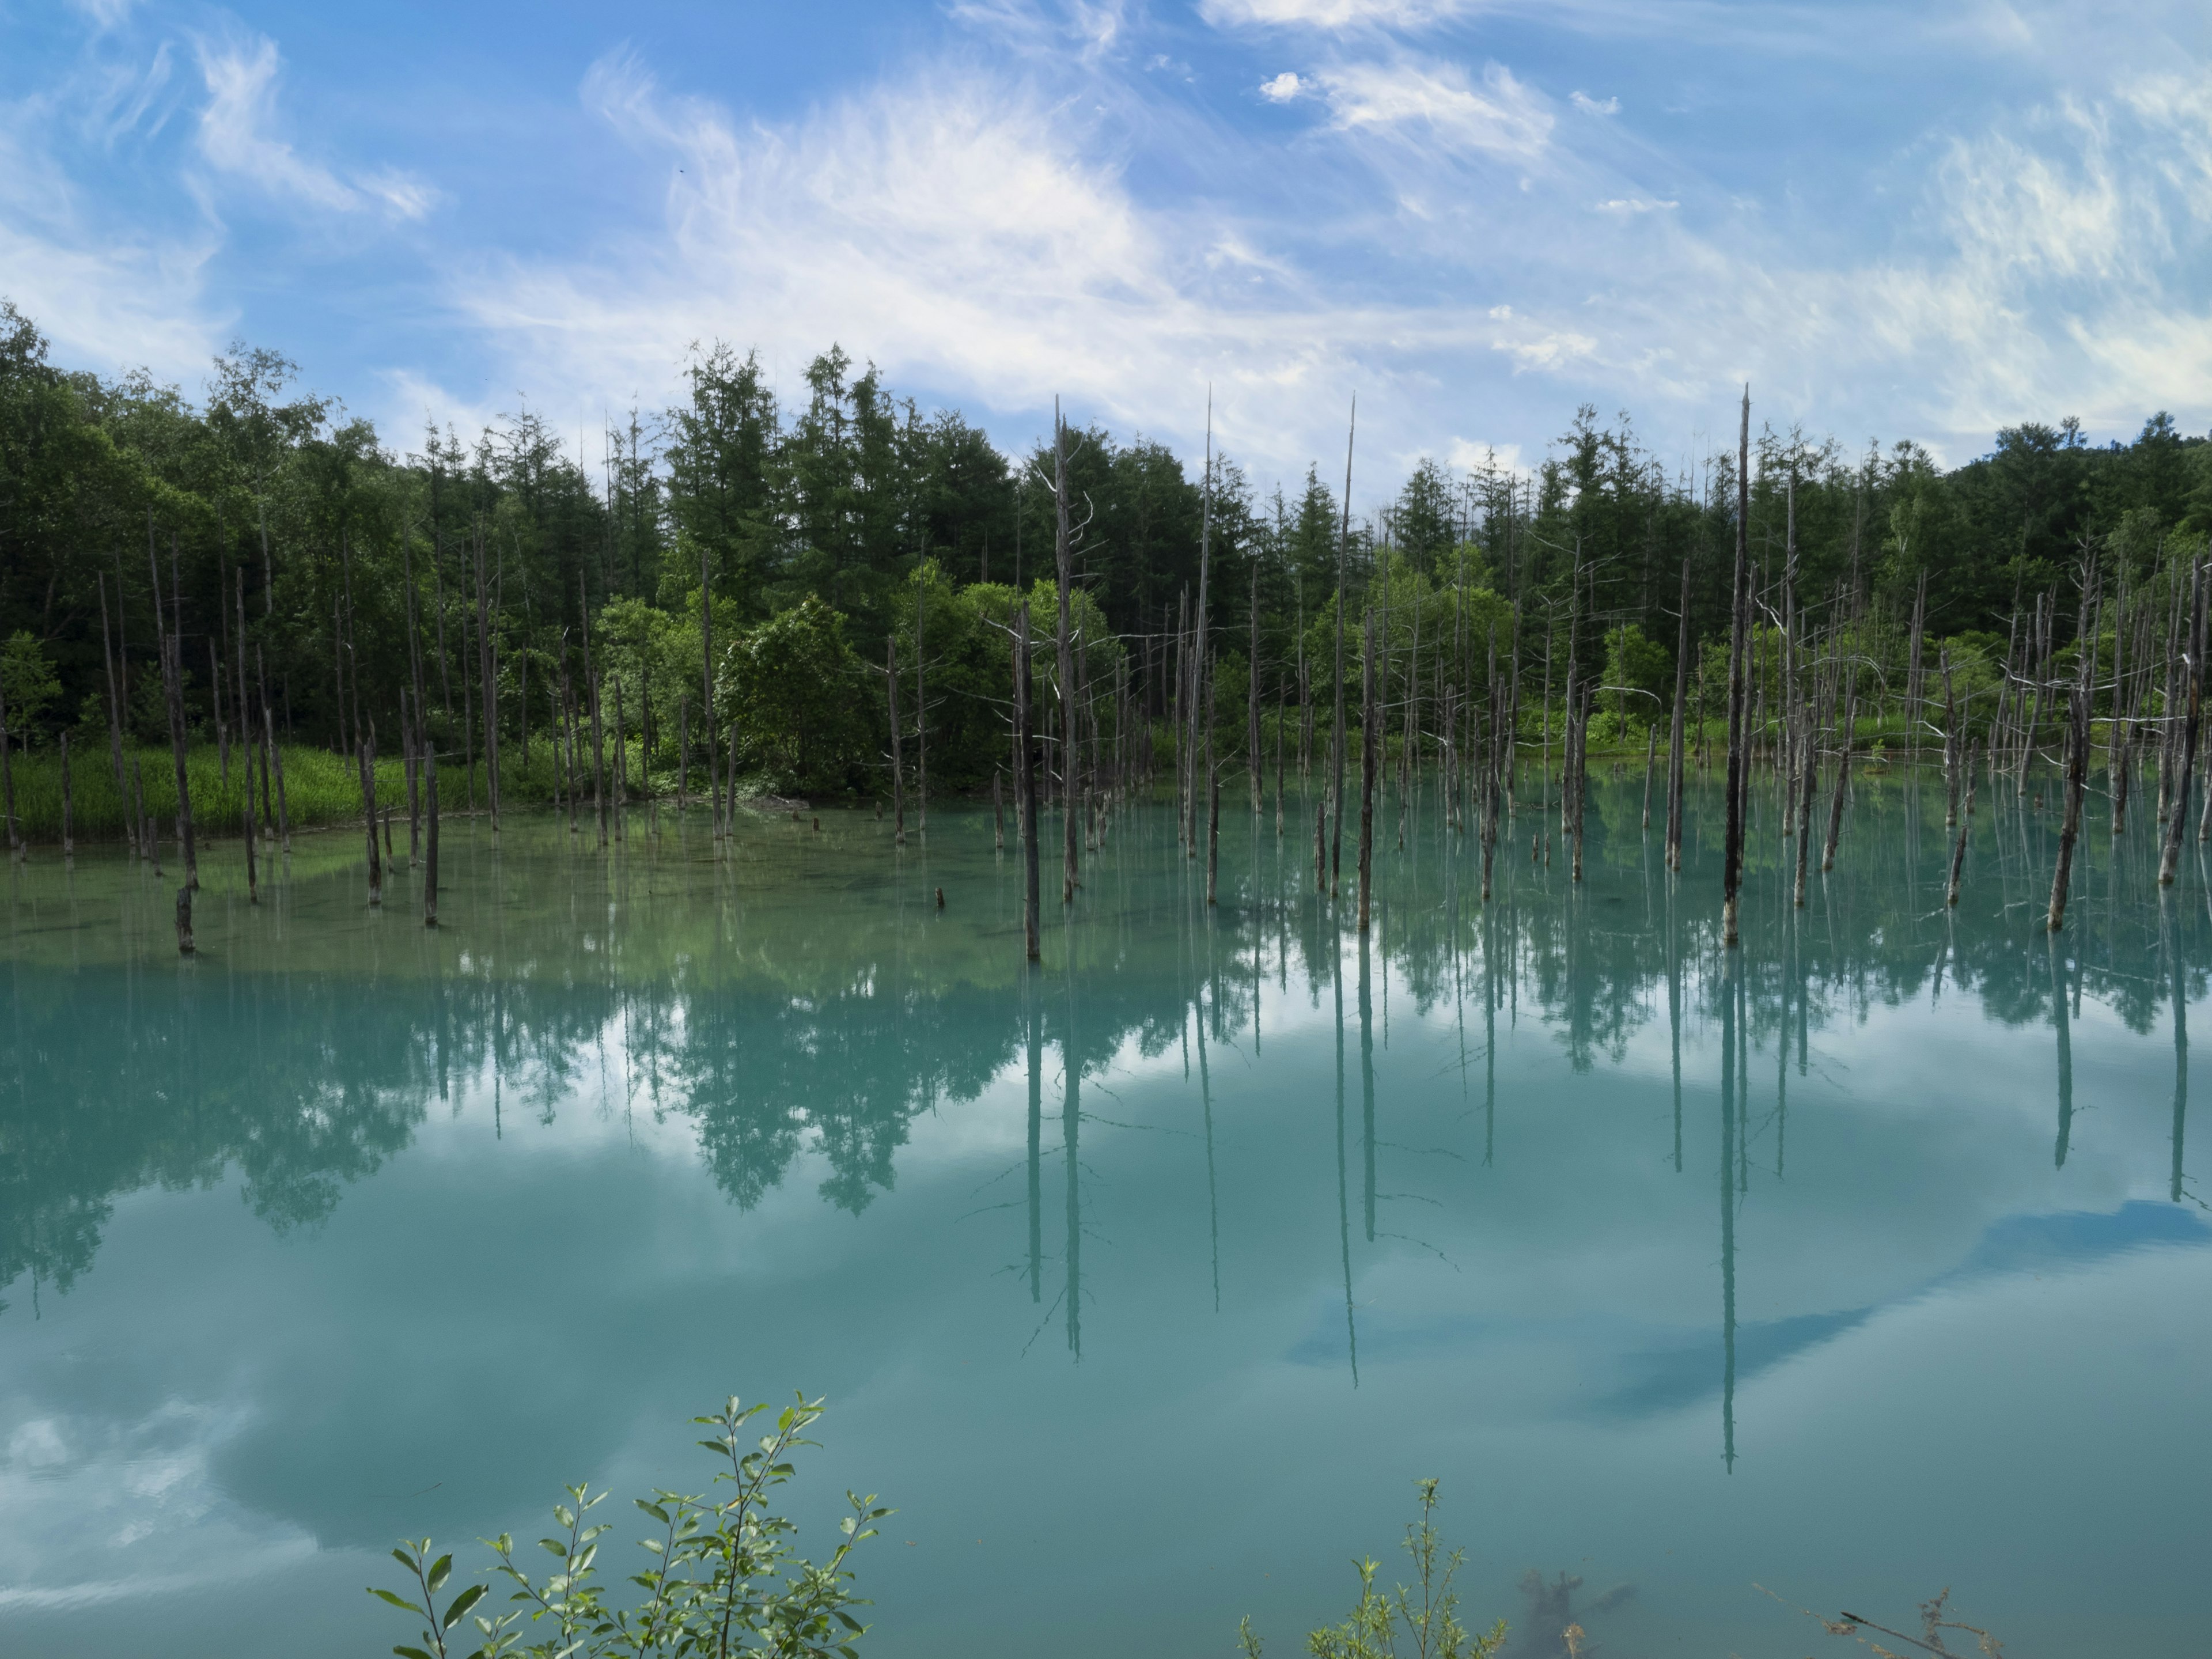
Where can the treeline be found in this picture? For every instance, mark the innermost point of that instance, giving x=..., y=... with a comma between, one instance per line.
x=777, y=555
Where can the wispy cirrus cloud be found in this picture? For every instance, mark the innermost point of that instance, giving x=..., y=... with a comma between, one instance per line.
x=1328, y=14
x=238, y=135
x=1434, y=101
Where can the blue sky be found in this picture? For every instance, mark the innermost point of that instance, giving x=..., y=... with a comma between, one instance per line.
x=1895, y=219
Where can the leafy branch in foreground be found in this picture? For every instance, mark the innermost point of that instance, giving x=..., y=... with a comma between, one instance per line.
x=725, y=1578
x=1425, y=1616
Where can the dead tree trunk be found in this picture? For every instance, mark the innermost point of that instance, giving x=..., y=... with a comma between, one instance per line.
x=1675, y=745
x=1370, y=724
x=366, y=758
x=1025, y=791
x=171, y=685
x=2192, y=668
x=1732, y=854
x=898, y=761
x=1064, y=559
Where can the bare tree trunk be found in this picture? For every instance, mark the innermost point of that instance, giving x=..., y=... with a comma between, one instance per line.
x=367, y=757
x=1370, y=722
x=149, y=847
x=1213, y=791
x=618, y=785
x=114, y=703
x=1959, y=851
x=1675, y=745
x=7, y=780
x=1811, y=762
x=284, y=814
x=2077, y=767
x=246, y=746
x=430, y=836
x=1650, y=765
x=1337, y=736
x=172, y=673
x=1064, y=558
x=69, y=840
x=1252, y=696
x=2170, y=860
x=898, y=762
x=1732, y=858
x=599, y=758
x=184, y=920
x=487, y=667
x=1025, y=791
x=1278, y=754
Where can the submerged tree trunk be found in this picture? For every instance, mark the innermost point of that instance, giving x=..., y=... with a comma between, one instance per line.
x=2169, y=859
x=1212, y=793
x=1025, y=792
x=1675, y=745
x=1337, y=734
x=1368, y=735
x=898, y=762
x=598, y=759
x=1732, y=855
x=430, y=836
x=1959, y=851
x=284, y=816
x=366, y=758
x=2077, y=767
x=7, y=780
x=1063, y=560
x=114, y=703
x=68, y=842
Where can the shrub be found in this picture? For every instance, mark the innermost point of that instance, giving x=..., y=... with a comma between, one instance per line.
x=724, y=1579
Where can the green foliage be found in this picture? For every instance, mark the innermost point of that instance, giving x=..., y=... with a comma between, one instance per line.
x=1424, y=1615
x=28, y=683
x=1634, y=665
x=796, y=696
x=723, y=1576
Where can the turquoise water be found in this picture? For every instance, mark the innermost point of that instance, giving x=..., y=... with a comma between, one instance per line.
x=1863, y=1263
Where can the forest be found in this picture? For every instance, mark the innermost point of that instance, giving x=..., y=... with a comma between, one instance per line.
x=320, y=589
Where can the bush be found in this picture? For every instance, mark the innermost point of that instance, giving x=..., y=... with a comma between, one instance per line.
x=724, y=1578
x=1427, y=1617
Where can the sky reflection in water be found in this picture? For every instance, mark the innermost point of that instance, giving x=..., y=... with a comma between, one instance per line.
x=1864, y=1264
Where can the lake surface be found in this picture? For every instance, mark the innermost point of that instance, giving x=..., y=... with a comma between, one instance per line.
x=1860, y=1262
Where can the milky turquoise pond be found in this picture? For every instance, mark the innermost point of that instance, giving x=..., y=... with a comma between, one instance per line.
x=1144, y=1288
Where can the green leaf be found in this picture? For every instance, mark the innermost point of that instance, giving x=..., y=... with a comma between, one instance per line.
x=467, y=1599
x=410, y=1653
x=404, y=1559
x=440, y=1571
x=404, y=1606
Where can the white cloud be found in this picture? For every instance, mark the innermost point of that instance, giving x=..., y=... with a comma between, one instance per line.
x=1465, y=455
x=105, y=13
x=113, y=296
x=1284, y=87
x=976, y=236
x=1416, y=96
x=236, y=137
x=241, y=81
x=1327, y=14
x=950, y=231
x=1590, y=106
